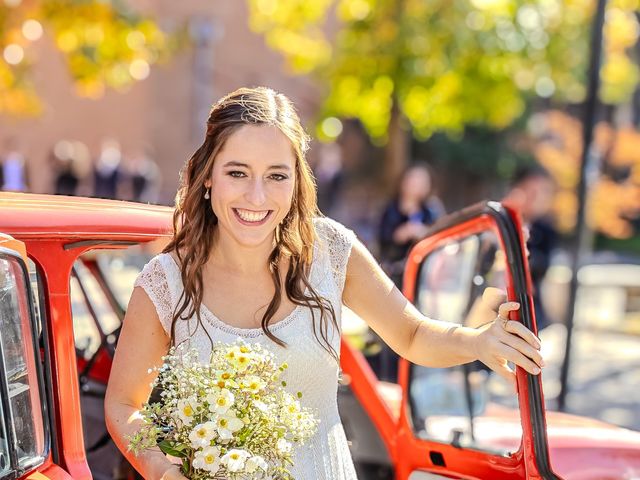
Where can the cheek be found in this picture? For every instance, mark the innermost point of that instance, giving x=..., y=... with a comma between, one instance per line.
x=222, y=188
x=283, y=192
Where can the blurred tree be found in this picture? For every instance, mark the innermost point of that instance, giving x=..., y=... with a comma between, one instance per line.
x=437, y=65
x=105, y=45
x=614, y=203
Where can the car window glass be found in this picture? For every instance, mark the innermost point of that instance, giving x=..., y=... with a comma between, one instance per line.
x=19, y=359
x=465, y=405
x=85, y=329
x=120, y=269
x=107, y=319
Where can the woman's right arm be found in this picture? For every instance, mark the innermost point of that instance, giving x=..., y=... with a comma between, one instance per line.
x=142, y=343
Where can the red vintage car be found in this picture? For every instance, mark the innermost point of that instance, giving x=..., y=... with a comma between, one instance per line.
x=436, y=423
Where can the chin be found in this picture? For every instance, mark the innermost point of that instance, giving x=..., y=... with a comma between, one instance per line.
x=254, y=239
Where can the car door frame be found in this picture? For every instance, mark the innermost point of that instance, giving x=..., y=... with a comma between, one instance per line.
x=532, y=458
x=48, y=468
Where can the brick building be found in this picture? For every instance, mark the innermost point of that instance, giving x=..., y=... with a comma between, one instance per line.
x=165, y=112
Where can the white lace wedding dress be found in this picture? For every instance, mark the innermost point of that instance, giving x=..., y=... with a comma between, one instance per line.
x=311, y=369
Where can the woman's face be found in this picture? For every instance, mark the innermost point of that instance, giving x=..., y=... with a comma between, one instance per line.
x=252, y=184
x=416, y=185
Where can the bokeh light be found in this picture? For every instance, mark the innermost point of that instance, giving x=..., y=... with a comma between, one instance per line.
x=331, y=127
x=32, y=30
x=13, y=54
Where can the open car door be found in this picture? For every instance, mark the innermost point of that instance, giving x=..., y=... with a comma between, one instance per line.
x=466, y=421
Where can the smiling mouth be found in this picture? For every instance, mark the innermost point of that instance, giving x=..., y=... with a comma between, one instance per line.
x=249, y=217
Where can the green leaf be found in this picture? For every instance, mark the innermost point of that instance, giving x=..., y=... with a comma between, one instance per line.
x=170, y=448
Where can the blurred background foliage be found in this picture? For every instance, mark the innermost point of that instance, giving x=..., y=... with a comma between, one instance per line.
x=105, y=45
x=476, y=87
x=448, y=64
x=466, y=79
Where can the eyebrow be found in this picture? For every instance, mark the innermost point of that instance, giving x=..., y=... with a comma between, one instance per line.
x=279, y=166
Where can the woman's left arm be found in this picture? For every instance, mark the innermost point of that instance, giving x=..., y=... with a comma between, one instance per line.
x=433, y=343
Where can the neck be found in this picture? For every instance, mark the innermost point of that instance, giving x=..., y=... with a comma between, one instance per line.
x=409, y=205
x=227, y=255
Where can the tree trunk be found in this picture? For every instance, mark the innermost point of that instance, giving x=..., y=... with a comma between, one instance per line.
x=397, y=150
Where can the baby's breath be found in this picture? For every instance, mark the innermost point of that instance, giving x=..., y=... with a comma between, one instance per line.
x=228, y=419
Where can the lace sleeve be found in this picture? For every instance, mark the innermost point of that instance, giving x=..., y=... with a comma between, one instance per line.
x=339, y=240
x=153, y=279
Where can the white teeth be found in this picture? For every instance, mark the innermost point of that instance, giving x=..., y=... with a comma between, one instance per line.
x=249, y=216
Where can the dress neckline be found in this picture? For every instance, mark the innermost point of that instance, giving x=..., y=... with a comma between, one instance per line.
x=215, y=321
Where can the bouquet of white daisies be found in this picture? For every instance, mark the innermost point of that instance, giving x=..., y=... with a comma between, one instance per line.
x=229, y=419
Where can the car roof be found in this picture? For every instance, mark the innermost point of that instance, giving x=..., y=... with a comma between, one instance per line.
x=37, y=216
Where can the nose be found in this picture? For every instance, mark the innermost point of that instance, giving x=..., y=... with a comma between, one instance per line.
x=256, y=194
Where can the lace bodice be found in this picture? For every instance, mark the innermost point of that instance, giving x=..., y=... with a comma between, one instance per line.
x=311, y=370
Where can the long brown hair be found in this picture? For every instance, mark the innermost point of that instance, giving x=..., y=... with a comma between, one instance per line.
x=194, y=221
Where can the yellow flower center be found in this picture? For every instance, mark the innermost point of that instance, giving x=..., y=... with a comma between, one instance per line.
x=202, y=433
x=235, y=456
x=254, y=386
x=223, y=422
x=242, y=359
x=244, y=349
x=221, y=383
x=222, y=402
x=226, y=375
x=209, y=459
x=187, y=410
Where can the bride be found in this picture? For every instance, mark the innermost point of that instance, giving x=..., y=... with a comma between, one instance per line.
x=252, y=257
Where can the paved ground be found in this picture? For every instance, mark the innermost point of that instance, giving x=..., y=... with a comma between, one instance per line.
x=604, y=374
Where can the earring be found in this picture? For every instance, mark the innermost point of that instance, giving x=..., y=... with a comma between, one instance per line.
x=206, y=195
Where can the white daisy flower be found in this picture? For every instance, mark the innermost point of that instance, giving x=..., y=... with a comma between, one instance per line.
x=187, y=409
x=221, y=401
x=227, y=424
x=254, y=463
x=235, y=459
x=239, y=357
x=202, y=434
x=253, y=383
x=291, y=408
x=260, y=405
x=207, y=459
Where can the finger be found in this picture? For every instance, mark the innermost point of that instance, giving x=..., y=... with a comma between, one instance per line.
x=514, y=356
x=503, y=369
x=523, y=332
x=505, y=308
x=493, y=297
x=523, y=347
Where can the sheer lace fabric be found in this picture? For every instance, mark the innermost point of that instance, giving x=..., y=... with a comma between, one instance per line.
x=311, y=370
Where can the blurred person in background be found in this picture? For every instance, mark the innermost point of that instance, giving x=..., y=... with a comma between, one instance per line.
x=107, y=171
x=13, y=172
x=71, y=164
x=329, y=176
x=405, y=221
x=145, y=177
x=532, y=192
